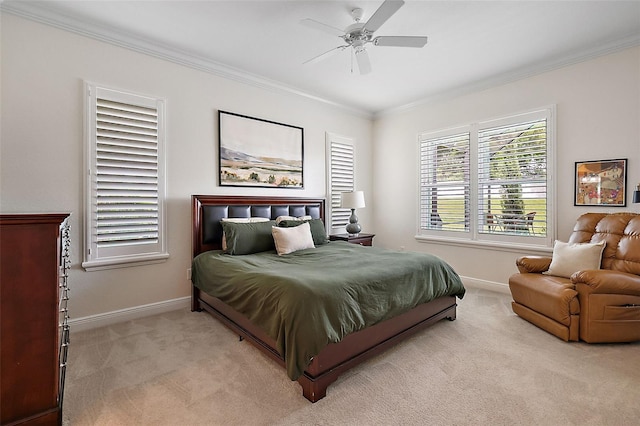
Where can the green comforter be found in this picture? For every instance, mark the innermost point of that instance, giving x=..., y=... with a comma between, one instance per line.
x=308, y=299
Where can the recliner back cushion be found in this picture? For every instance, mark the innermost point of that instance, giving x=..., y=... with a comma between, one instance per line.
x=620, y=231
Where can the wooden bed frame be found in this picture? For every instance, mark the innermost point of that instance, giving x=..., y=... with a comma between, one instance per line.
x=334, y=359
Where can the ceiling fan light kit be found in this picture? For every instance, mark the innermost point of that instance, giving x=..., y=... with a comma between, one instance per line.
x=358, y=34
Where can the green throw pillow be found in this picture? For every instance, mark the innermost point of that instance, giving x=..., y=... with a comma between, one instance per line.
x=248, y=238
x=317, y=229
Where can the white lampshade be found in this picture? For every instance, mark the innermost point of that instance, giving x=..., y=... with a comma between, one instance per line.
x=352, y=200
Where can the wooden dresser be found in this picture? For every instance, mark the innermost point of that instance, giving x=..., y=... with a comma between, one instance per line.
x=34, y=258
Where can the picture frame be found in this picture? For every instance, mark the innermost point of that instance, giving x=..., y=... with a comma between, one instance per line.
x=601, y=183
x=253, y=152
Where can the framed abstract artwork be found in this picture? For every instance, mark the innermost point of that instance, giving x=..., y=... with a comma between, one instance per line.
x=601, y=183
x=254, y=152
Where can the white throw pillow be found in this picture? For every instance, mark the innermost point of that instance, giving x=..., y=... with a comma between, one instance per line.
x=570, y=258
x=293, y=239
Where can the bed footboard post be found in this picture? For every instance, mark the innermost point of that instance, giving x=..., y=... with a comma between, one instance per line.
x=313, y=390
x=195, y=299
x=451, y=314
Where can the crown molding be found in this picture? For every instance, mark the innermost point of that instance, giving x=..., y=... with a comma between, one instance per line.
x=520, y=74
x=38, y=12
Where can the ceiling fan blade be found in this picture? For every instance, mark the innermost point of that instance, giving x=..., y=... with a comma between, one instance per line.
x=400, y=41
x=364, y=65
x=312, y=23
x=380, y=16
x=325, y=55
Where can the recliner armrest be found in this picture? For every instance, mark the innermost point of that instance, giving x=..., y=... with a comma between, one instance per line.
x=533, y=264
x=605, y=281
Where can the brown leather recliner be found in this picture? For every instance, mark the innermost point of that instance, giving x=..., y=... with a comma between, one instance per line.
x=593, y=305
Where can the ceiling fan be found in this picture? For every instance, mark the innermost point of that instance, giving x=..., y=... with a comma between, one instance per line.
x=358, y=34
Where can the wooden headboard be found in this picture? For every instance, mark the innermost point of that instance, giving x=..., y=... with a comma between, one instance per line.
x=208, y=210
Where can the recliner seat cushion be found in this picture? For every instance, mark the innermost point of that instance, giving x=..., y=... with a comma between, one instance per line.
x=551, y=296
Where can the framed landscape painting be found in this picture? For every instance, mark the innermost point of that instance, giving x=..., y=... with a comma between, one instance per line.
x=601, y=183
x=259, y=153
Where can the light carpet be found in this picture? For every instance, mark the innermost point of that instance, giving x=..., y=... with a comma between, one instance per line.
x=489, y=367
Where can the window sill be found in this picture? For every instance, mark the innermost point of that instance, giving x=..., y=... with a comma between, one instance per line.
x=493, y=245
x=124, y=262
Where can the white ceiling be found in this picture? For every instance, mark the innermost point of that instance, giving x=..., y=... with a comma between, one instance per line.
x=472, y=44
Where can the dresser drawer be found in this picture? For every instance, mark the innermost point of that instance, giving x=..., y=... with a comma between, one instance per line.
x=361, y=239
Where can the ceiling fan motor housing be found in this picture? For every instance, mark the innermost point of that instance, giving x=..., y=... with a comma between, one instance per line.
x=356, y=36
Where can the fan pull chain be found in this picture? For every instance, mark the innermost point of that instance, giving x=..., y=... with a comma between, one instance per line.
x=353, y=55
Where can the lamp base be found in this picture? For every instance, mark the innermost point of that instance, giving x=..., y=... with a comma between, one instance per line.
x=353, y=228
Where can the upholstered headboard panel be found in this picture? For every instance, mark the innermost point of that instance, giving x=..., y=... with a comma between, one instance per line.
x=208, y=210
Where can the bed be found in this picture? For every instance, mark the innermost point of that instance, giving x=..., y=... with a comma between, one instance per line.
x=364, y=335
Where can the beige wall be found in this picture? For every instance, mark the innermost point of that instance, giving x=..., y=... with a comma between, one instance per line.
x=42, y=144
x=598, y=117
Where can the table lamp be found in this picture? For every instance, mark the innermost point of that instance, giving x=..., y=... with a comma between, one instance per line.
x=352, y=200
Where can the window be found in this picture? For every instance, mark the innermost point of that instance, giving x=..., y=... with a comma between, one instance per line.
x=489, y=181
x=341, y=171
x=444, y=183
x=125, y=190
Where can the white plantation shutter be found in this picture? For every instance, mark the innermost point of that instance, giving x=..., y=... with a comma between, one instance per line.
x=512, y=178
x=341, y=170
x=444, y=182
x=125, y=203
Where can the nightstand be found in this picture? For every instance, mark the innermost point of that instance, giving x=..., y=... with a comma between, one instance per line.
x=361, y=238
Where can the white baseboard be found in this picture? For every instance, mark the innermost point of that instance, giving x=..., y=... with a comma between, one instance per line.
x=486, y=285
x=114, y=317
